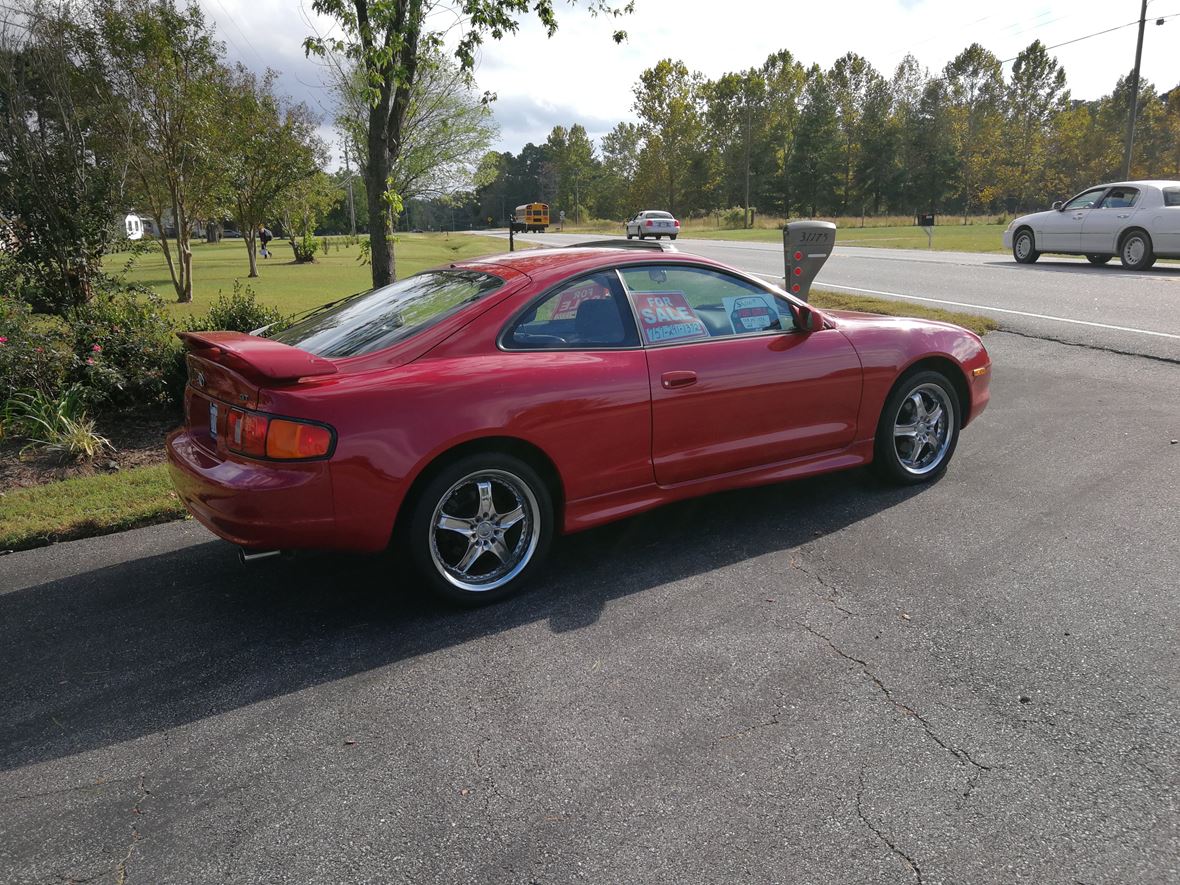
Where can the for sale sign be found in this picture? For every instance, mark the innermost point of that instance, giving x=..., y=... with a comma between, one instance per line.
x=567, y=303
x=667, y=316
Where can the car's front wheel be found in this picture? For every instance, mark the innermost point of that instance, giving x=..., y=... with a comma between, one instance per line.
x=481, y=527
x=918, y=429
x=1024, y=247
x=1136, y=252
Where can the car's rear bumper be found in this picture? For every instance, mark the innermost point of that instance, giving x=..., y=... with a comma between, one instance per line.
x=257, y=504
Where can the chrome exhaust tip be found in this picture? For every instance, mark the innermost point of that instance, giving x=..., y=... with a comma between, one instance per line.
x=245, y=557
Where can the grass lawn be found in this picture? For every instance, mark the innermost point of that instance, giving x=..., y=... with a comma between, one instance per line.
x=91, y=505
x=294, y=287
x=949, y=237
x=839, y=301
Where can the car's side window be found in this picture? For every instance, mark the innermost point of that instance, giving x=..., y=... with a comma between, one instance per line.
x=1172, y=196
x=1086, y=200
x=589, y=312
x=678, y=303
x=1121, y=198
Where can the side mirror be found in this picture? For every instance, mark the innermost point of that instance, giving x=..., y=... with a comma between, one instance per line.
x=1057, y=204
x=808, y=320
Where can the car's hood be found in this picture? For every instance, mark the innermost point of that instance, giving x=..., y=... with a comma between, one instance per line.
x=1032, y=218
x=851, y=320
x=875, y=333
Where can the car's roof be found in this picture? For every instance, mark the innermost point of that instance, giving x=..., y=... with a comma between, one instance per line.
x=1150, y=182
x=545, y=263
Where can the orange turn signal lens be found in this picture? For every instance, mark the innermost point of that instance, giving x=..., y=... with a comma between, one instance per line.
x=294, y=439
x=982, y=370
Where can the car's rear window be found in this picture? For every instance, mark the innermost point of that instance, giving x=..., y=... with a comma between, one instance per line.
x=1172, y=196
x=659, y=214
x=378, y=318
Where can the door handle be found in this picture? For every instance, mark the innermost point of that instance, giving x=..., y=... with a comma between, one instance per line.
x=1125, y=215
x=671, y=380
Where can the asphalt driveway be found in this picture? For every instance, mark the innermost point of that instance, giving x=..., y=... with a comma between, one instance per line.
x=824, y=681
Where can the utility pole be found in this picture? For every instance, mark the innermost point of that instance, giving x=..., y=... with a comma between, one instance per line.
x=1134, y=94
x=351, y=201
x=747, y=211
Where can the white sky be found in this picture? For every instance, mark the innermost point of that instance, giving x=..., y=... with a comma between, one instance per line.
x=581, y=76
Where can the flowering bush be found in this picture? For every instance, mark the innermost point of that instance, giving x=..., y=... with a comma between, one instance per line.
x=34, y=352
x=125, y=348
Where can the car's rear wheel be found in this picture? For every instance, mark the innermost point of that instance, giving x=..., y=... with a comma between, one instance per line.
x=673, y=236
x=918, y=429
x=1136, y=252
x=628, y=236
x=1099, y=259
x=1024, y=247
x=481, y=527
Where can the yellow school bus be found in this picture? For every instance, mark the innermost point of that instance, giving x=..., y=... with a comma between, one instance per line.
x=532, y=217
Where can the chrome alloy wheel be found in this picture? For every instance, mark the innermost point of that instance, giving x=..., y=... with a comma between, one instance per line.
x=922, y=429
x=1024, y=245
x=484, y=530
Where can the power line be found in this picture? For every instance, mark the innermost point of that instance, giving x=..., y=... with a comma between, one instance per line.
x=1095, y=34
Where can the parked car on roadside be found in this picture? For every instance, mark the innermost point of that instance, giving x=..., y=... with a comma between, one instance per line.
x=652, y=223
x=1139, y=221
x=467, y=415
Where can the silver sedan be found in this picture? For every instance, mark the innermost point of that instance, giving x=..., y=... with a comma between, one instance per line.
x=652, y=223
x=1138, y=221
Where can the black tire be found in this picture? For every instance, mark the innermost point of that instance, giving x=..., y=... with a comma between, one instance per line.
x=1135, y=250
x=640, y=235
x=673, y=236
x=1024, y=248
x=927, y=464
x=455, y=491
x=1099, y=260
x=629, y=236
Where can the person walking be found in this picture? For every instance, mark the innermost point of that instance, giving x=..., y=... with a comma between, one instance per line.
x=264, y=237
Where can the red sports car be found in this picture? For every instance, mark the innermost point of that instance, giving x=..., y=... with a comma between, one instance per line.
x=468, y=414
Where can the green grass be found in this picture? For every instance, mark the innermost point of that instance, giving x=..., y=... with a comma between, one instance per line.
x=946, y=238
x=295, y=287
x=91, y=505
x=839, y=301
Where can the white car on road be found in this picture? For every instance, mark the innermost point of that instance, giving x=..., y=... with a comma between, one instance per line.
x=652, y=223
x=1139, y=221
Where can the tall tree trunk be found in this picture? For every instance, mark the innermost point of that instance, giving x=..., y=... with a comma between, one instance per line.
x=376, y=176
x=250, y=238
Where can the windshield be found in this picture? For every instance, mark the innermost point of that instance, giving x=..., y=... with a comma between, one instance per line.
x=378, y=318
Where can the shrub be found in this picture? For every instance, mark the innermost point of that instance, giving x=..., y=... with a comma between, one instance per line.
x=125, y=347
x=34, y=352
x=239, y=311
x=56, y=424
x=305, y=247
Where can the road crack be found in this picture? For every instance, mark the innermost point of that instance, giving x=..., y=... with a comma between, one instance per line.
x=889, y=843
x=960, y=755
x=121, y=866
x=749, y=728
x=832, y=590
x=1103, y=349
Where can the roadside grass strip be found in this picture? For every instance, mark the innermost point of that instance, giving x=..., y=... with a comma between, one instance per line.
x=980, y=325
x=87, y=506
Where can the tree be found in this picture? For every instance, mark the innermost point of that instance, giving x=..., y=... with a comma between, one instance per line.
x=667, y=100
x=447, y=128
x=850, y=80
x=387, y=39
x=785, y=80
x=163, y=65
x=815, y=162
x=304, y=203
x=267, y=148
x=1036, y=94
x=59, y=195
x=620, y=155
x=975, y=89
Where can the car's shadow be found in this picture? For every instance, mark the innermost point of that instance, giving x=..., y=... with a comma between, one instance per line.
x=1061, y=265
x=149, y=644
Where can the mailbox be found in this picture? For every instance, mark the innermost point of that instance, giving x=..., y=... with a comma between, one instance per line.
x=925, y=219
x=807, y=245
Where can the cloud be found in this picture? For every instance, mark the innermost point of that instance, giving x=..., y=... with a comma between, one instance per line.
x=524, y=118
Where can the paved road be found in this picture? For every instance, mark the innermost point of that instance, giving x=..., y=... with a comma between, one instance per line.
x=825, y=681
x=1058, y=297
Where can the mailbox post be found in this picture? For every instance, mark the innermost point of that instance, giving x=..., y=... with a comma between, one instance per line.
x=807, y=245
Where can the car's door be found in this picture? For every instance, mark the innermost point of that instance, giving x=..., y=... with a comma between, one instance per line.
x=734, y=384
x=1062, y=231
x=1104, y=222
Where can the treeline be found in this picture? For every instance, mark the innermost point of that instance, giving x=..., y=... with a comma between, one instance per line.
x=785, y=139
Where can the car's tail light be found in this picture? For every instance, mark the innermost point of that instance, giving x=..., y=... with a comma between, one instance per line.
x=676, y=222
x=294, y=439
x=649, y=223
x=281, y=439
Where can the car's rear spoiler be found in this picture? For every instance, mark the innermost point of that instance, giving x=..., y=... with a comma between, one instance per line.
x=257, y=356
